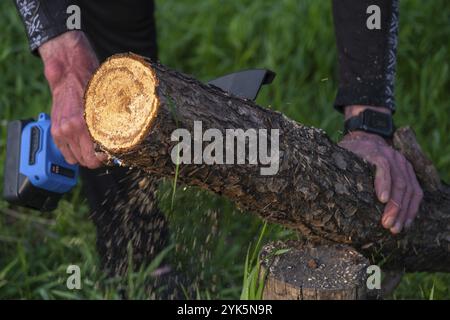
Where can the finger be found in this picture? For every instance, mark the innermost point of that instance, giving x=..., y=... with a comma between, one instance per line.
x=87, y=149
x=62, y=144
x=398, y=189
x=70, y=129
x=73, y=146
x=68, y=155
x=406, y=201
x=416, y=198
x=382, y=178
x=101, y=156
x=88, y=152
x=55, y=117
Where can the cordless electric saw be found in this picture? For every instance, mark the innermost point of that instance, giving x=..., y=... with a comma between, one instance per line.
x=36, y=174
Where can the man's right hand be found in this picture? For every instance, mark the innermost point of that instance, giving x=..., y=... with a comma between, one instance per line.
x=69, y=62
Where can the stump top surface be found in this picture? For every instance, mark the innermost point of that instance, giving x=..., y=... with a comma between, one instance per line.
x=333, y=267
x=120, y=102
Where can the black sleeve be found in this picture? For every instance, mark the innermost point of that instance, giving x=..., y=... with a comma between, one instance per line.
x=43, y=19
x=367, y=58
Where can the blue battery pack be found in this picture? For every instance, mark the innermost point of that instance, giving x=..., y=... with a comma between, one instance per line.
x=36, y=173
x=42, y=162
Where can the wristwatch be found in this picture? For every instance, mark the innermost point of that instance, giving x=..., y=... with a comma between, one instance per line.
x=371, y=121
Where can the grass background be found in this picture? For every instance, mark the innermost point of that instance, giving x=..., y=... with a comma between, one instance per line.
x=206, y=39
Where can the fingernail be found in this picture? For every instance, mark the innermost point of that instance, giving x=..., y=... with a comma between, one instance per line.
x=408, y=223
x=397, y=228
x=384, y=196
x=388, y=222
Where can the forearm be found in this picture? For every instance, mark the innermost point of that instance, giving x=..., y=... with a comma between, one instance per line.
x=367, y=58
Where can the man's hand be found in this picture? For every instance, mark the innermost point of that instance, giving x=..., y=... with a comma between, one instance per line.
x=395, y=181
x=69, y=62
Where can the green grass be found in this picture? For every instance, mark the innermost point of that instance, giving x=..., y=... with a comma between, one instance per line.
x=207, y=39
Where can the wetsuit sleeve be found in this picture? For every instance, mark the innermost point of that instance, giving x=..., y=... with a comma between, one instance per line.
x=43, y=19
x=367, y=58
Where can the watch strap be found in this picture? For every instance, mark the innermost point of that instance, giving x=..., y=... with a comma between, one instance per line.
x=369, y=121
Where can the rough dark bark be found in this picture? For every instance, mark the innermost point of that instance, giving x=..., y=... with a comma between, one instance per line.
x=321, y=190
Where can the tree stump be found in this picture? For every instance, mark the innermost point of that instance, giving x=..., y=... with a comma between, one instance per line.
x=296, y=271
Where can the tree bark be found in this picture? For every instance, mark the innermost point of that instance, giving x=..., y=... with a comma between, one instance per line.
x=321, y=190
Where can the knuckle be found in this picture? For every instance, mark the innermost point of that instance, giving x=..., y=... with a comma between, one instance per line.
x=53, y=71
x=409, y=193
x=55, y=132
x=419, y=194
x=71, y=125
x=66, y=128
x=383, y=162
x=401, y=185
x=391, y=153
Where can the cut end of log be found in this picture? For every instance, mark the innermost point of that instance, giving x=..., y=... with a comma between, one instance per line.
x=120, y=102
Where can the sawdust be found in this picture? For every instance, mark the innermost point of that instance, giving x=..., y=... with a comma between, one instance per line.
x=333, y=267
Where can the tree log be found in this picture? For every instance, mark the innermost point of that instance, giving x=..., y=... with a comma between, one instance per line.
x=133, y=105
